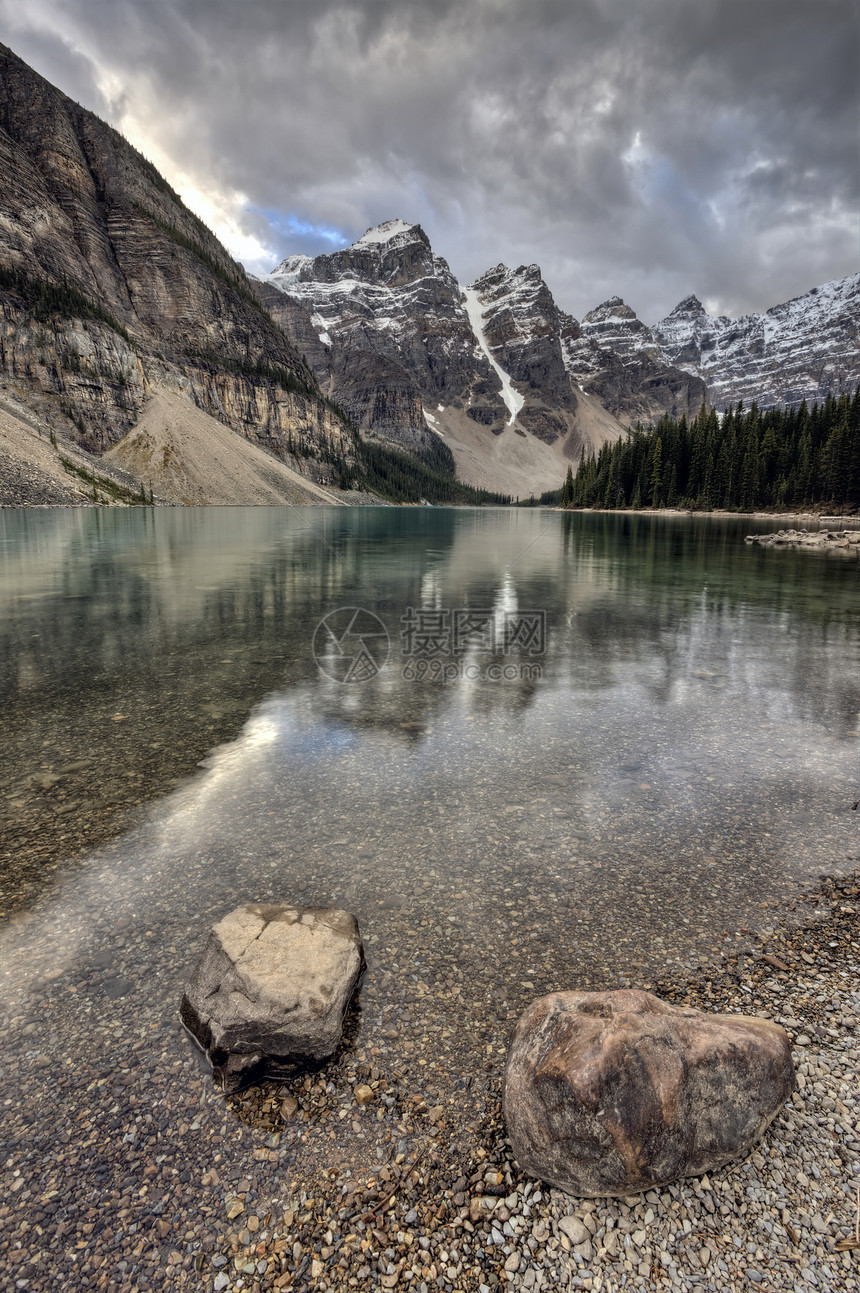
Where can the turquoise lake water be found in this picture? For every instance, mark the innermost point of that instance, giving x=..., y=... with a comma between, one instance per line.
x=529, y=750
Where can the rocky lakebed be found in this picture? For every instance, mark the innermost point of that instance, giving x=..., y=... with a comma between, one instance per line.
x=124, y=1168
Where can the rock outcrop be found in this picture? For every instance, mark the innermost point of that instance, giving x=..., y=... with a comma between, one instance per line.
x=611, y=1093
x=805, y=349
x=840, y=541
x=523, y=328
x=614, y=326
x=377, y=392
x=389, y=294
x=270, y=991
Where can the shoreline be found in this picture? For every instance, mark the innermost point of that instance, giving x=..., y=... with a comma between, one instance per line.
x=448, y=1208
x=820, y=518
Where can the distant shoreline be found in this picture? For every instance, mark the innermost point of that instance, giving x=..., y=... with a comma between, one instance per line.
x=818, y=517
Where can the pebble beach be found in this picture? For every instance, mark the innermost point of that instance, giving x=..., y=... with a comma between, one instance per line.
x=127, y=1170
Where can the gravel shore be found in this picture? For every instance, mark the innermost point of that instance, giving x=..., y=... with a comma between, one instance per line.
x=126, y=1170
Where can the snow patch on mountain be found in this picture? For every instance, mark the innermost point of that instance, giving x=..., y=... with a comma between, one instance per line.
x=432, y=423
x=322, y=332
x=513, y=399
x=383, y=233
x=804, y=348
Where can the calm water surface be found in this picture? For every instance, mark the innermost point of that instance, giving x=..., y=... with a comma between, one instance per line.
x=624, y=793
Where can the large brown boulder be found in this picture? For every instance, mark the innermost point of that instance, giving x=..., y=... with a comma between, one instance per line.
x=270, y=991
x=616, y=1092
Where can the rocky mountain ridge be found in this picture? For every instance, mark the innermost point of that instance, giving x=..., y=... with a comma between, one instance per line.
x=506, y=380
x=804, y=349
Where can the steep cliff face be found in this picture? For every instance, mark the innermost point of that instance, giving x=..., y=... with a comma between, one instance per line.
x=108, y=283
x=807, y=348
x=379, y=396
x=614, y=326
x=524, y=328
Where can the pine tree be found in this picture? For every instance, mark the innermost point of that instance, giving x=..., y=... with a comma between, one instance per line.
x=567, y=489
x=655, y=483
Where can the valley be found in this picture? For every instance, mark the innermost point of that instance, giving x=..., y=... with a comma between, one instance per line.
x=129, y=334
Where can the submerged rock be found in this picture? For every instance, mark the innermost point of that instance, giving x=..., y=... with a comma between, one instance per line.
x=617, y=1092
x=270, y=991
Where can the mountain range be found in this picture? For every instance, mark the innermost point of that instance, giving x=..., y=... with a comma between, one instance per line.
x=119, y=309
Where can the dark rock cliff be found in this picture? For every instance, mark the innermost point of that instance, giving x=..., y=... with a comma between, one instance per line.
x=616, y=357
x=380, y=397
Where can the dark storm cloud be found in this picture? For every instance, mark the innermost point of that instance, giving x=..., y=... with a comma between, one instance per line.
x=652, y=149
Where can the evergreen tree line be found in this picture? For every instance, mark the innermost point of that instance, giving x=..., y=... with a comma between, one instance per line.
x=746, y=460
x=400, y=477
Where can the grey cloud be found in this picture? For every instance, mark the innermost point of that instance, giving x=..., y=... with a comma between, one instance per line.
x=650, y=149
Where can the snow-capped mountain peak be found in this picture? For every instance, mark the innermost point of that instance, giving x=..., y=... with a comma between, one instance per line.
x=690, y=306
x=615, y=325
x=289, y=269
x=384, y=233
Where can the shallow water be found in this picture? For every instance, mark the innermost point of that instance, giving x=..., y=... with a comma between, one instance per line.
x=669, y=746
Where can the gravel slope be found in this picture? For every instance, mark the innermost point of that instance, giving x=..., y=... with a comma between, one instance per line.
x=32, y=473
x=189, y=457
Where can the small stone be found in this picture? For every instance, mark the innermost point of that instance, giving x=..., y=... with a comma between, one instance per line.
x=289, y=1107
x=235, y=1208
x=363, y=1094
x=574, y=1229
x=480, y=1207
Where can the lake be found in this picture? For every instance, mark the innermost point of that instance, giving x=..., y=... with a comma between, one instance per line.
x=530, y=750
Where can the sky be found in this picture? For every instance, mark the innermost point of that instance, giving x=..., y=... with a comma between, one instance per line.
x=645, y=148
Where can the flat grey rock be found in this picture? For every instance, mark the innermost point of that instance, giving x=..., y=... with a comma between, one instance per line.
x=270, y=991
